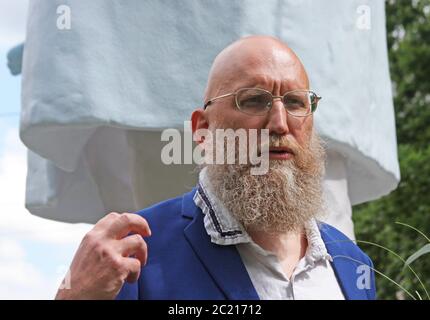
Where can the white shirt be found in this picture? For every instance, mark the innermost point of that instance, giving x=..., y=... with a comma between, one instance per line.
x=313, y=277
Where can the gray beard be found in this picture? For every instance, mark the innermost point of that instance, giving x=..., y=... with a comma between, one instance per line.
x=281, y=201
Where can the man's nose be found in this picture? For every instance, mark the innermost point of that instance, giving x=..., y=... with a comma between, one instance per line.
x=277, y=118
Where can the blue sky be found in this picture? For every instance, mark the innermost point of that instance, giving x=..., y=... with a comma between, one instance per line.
x=34, y=252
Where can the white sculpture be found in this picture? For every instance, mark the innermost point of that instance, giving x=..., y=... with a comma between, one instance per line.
x=98, y=89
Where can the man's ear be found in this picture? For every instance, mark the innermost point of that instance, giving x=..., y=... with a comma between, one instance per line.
x=199, y=121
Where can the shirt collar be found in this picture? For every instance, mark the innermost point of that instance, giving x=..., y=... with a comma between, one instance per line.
x=224, y=229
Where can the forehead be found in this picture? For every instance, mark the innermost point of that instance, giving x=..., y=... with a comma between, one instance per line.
x=270, y=74
x=270, y=83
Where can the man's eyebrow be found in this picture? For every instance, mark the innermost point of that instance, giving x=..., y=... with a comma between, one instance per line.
x=264, y=82
x=253, y=83
x=260, y=86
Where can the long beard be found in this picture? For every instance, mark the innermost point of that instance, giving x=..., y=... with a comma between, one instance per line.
x=282, y=200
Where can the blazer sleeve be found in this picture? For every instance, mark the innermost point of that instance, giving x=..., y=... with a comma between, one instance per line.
x=371, y=292
x=129, y=291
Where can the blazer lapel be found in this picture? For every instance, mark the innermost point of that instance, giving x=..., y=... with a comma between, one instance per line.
x=345, y=268
x=226, y=268
x=223, y=263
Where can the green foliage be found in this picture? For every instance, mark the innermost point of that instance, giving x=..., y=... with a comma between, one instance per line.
x=408, y=35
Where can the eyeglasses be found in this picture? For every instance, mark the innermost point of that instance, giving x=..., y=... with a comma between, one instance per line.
x=256, y=101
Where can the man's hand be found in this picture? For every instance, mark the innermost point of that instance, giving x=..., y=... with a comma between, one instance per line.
x=103, y=260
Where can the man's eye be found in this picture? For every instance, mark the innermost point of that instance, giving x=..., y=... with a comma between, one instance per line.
x=295, y=103
x=254, y=100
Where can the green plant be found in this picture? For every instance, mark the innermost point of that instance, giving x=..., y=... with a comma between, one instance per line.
x=408, y=31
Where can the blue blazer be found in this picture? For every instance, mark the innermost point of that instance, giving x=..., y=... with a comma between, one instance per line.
x=183, y=263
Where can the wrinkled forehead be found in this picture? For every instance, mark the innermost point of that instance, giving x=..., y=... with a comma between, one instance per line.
x=273, y=69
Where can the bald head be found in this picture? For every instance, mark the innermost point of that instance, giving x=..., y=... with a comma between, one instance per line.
x=260, y=61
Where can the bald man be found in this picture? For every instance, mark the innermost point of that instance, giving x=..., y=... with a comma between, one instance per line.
x=236, y=235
